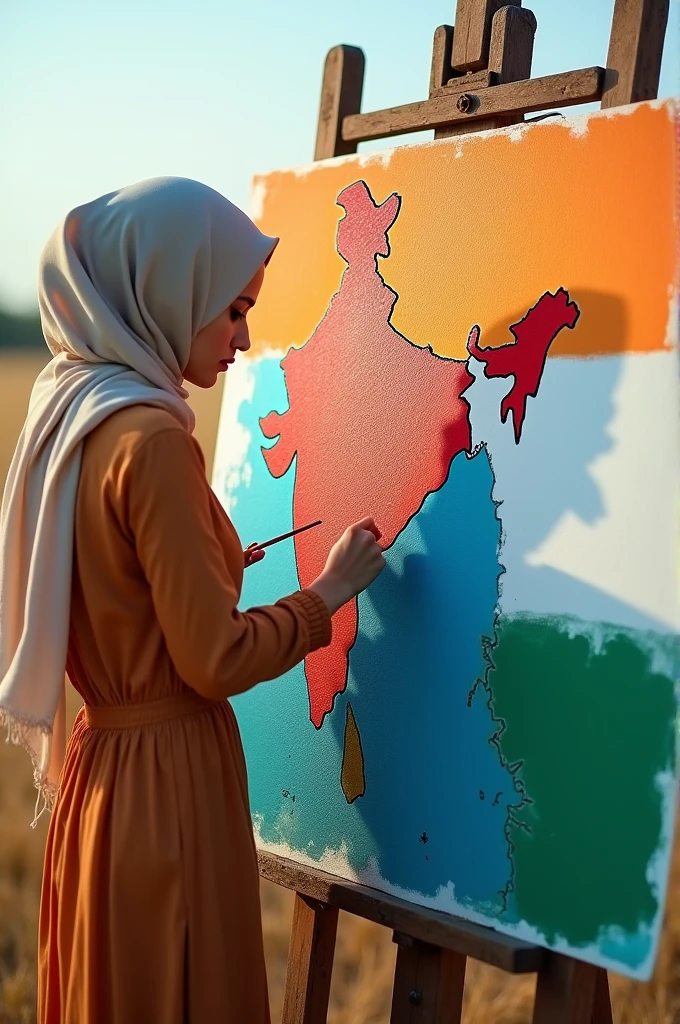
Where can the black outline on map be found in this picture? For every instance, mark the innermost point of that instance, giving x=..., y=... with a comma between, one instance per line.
x=421, y=348
x=489, y=643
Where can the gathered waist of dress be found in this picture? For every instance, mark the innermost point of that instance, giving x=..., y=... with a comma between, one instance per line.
x=129, y=716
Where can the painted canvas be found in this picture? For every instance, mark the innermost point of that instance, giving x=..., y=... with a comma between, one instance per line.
x=475, y=341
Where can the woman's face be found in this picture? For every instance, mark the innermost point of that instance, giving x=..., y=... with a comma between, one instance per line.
x=216, y=345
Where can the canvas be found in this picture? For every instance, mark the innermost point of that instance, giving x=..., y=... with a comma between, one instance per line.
x=475, y=341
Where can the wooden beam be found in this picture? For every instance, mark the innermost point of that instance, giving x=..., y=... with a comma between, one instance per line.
x=635, y=51
x=343, y=82
x=431, y=926
x=565, y=89
x=310, y=962
x=472, y=33
x=429, y=983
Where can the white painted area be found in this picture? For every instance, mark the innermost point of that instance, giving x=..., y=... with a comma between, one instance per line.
x=590, y=495
x=579, y=123
x=516, y=132
x=382, y=157
x=336, y=862
x=258, y=194
x=231, y=468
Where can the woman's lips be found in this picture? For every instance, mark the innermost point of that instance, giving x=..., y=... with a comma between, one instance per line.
x=226, y=363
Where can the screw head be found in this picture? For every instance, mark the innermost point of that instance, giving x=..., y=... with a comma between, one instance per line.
x=415, y=997
x=464, y=103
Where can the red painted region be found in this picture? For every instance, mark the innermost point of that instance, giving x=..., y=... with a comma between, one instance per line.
x=375, y=422
x=524, y=359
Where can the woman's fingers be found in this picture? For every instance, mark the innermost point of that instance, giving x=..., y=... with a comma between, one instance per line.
x=253, y=554
x=369, y=524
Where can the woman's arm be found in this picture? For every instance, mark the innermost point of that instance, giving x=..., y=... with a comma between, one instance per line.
x=216, y=649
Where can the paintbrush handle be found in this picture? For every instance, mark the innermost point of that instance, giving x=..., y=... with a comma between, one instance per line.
x=285, y=536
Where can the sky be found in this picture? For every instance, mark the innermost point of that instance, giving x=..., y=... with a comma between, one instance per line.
x=95, y=96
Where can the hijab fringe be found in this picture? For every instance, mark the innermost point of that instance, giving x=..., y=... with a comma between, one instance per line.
x=19, y=731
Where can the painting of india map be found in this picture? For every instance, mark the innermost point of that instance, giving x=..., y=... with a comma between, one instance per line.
x=491, y=731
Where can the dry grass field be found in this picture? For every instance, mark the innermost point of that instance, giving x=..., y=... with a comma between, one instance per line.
x=365, y=956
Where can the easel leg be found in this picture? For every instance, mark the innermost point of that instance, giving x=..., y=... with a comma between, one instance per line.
x=343, y=82
x=566, y=993
x=310, y=962
x=428, y=984
x=602, y=1005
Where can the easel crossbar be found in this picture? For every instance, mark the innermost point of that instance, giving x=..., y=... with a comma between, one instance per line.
x=430, y=926
x=565, y=89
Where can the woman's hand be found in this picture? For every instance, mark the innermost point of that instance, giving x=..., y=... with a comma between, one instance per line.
x=353, y=563
x=253, y=554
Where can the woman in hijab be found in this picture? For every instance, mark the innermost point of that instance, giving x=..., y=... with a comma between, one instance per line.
x=118, y=565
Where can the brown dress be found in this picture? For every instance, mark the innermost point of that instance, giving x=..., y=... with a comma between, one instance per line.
x=150, y=907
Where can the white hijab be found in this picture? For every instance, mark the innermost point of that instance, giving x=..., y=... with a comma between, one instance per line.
x=125, y=284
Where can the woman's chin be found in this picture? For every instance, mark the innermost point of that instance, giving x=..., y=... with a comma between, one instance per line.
x=204, y=380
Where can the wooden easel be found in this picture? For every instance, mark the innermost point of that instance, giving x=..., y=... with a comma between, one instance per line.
x=479, y=79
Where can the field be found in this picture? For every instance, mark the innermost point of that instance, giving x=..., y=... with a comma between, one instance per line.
x=364, y=964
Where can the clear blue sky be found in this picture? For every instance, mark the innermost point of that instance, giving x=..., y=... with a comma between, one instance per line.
x=96, y=95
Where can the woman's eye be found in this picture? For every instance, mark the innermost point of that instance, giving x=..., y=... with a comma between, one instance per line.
x=237, y=315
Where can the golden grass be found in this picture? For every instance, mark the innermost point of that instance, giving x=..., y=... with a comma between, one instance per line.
x=364, y=963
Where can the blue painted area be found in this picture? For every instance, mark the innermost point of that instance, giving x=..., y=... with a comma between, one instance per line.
x=430, y=769
x=437, y=796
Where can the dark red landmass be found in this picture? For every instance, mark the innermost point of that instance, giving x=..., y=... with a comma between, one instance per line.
x=524, y=358
x=375, y=422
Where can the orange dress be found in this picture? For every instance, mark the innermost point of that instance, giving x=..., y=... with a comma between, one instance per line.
x=150, y=908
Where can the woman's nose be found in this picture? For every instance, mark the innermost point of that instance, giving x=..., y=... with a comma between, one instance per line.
x=242, y=338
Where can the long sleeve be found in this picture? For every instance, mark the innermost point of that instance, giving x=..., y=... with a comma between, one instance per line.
x=167, y=508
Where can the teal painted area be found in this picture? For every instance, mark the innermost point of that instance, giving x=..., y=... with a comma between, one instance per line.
x=437, y=796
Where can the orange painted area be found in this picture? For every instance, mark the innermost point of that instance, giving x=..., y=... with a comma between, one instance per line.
x=486, y=226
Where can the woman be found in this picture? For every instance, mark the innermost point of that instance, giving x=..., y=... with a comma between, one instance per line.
x=119, y=564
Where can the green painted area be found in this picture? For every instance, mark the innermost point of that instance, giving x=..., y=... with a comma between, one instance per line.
x=592, y=726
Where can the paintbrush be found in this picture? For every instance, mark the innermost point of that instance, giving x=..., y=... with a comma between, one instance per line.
x=284, y=536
